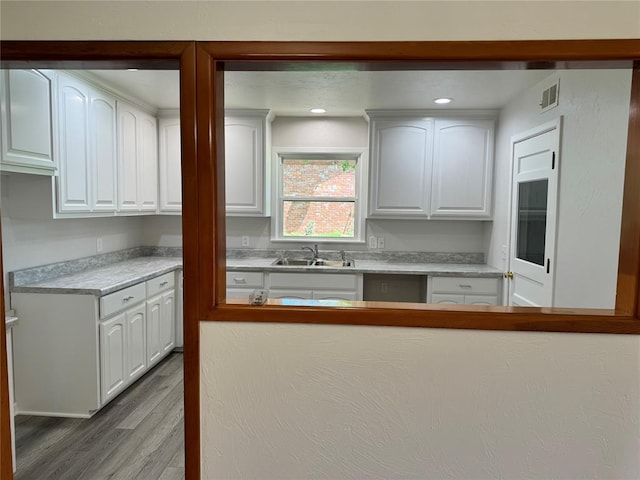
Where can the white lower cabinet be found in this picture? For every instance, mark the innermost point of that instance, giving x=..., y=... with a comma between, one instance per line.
x=75, y=353
x=113, y=356
x=297, y=286
x=335, y=295
x=281, y=293
x=242, y=284
x=161, y=327
x=315, y=286
x=153, y=330
x=137, y=341
x=463, y=290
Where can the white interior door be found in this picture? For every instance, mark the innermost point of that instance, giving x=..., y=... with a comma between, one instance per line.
x=535, y=156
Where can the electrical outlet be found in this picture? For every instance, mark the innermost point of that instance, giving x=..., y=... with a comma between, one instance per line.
x=245, y=240
x=373, y=242
x=380, y=242
x=384, y=287
x=99, y=244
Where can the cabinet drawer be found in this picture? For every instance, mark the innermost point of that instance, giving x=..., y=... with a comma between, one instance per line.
x=117, y=301
x=161, y=283
x=465, y=285
x=332, y=281
x=245, y=279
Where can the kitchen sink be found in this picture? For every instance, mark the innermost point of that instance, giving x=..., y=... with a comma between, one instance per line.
x=305, y=262
x=294, y=262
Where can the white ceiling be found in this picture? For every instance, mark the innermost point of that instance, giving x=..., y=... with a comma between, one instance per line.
x=342, y=93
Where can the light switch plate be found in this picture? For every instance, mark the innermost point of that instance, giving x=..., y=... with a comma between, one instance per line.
x=373, y=242
x=245, y=240
x=380, y=242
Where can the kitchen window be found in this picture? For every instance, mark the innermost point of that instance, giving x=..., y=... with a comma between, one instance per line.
x=319, y=195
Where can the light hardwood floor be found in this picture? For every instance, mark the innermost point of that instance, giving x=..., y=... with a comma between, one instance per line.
x=139, y=435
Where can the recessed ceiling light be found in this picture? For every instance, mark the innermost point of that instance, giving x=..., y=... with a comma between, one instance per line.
x=318, y=110
x=442, y=101
x=132, y=69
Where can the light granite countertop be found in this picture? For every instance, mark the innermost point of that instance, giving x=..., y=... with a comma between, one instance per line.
x=104, y=280
x=371, y=266
x=116, y=276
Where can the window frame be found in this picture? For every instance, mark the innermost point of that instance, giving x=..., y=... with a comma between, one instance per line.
x=359, y=154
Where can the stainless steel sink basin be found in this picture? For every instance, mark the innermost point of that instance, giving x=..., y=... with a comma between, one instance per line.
x=305, y=262
x=294, y=262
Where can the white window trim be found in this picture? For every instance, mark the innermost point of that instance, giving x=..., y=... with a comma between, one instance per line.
x=361, y=191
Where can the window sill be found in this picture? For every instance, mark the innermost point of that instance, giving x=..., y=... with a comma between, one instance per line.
x=319, y=240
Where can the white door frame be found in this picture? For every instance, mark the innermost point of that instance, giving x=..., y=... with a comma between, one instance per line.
x=555, y=124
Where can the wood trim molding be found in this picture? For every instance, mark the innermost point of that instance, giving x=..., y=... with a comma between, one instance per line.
x=628, y=290
x=520, y=51
x=499, y=54
x=6, y=465
x=191, y=261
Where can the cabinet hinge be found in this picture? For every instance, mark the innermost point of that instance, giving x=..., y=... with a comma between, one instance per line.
x=548, y=265
x=553, y=161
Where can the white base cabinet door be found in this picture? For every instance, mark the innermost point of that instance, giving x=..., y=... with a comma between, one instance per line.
x=315, y=286
x=463, y=290
x=335, y=295
x=154, y=307
x=168, y=323
x=26, y=101
x=282, y=293
x=137, y=341
x=113, y=356
x=122, y=350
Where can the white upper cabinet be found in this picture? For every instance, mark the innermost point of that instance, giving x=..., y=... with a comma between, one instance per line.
x=26, y=100
x=246, y=146
x=400, y=170
x=462, y=168
x=73, y=145
x=424, y=165
x=137, y=160
x=102, y=128
x=127, y=158
x=169, y=157
x=87, y=148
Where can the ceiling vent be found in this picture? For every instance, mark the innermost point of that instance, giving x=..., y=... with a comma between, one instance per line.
x=550, y=96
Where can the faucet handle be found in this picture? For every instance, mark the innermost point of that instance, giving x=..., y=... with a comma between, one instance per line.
x=343, y=256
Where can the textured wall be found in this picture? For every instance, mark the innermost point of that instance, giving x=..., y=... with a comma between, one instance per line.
x=317, y=20
x=335, y=402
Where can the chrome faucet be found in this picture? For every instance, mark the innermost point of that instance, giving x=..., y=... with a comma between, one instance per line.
x=314, y=250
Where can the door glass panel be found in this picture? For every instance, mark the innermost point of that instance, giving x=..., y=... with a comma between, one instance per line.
x=532, y=220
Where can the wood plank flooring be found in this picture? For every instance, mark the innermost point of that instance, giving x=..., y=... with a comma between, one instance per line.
x=139, y=435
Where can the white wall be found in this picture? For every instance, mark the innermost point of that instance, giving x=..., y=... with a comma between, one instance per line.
x=314, y=401
x=563, y=406
x=161, y=230
x=594, y=105
x=33, y=239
